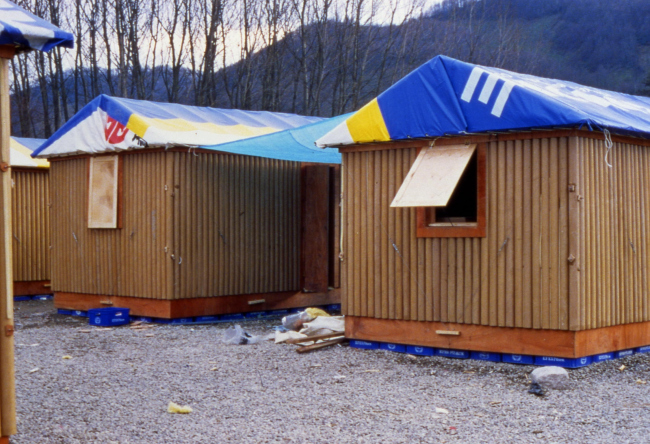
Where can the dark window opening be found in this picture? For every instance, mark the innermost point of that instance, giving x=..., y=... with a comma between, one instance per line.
x=462, y=207
x=464, y=214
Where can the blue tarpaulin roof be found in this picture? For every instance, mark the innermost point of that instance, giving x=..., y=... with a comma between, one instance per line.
x=449, y=97
x=296, y=144
x=27, y=31
x=109, y=124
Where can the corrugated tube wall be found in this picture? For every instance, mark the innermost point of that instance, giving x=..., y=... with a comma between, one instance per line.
x=131, y=261
x=31, y=225
x=517, y=276
x=615, y=233
x=236, y=225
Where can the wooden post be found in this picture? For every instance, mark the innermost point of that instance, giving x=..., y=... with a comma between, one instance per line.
x=7, y=381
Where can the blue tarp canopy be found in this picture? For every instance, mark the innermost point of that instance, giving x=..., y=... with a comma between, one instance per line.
x=296, y=144
x=449, y=97
x=110, y=124
x=27, y=31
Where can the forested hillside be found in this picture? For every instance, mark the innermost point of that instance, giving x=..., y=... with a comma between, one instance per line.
x=316, y=57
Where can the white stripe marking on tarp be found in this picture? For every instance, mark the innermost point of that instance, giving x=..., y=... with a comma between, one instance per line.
x=486, y=92
x=502, y=99
x=470, y=86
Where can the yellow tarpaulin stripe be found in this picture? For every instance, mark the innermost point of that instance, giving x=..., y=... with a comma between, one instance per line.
x=22, y=156
x=139, y=125
x=367, y=125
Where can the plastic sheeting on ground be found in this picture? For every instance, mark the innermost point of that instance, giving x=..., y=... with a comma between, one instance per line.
x=449, y=97
x=27, y=31
x=109, y=124
x=296, y=144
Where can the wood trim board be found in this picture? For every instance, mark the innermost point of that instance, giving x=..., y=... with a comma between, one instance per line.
x=30, y=288
x=525, y=341
x=209, y=306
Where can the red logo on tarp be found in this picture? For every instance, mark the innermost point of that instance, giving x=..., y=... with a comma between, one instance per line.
x=114, y=131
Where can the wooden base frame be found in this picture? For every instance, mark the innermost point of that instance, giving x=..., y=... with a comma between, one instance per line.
x=209, y=306
x=524, y=341
x=4, y=440
x=31, y=288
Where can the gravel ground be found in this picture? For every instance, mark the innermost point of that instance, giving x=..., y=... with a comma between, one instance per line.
x=116, y=387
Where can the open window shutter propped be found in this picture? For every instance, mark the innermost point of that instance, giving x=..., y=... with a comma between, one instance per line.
x=433, y=176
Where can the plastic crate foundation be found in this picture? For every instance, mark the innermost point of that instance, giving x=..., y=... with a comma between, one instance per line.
x=108, y=316
x=234, y=317
x=496, y=357
x=37, y=297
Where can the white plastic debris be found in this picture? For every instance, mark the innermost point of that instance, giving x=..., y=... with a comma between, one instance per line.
x=324, y=325
x=285, y=336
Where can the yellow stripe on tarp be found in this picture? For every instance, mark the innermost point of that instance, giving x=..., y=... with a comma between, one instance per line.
x=26, y=160
x=367, y=124
x=139, y=125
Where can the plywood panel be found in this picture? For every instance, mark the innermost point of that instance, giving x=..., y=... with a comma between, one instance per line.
x=315, y=227
x=433, y=176
x=103, y=184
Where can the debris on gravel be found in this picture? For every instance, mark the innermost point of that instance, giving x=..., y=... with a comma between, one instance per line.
x=118, y=386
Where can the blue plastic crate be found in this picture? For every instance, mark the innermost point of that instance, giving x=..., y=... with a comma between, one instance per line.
x=485, y=356
x=450, y=353
x=278, y=313
x=333, y=307
x=421, y=351
x=623, y=353
x=79, y=313
x=399, y=348
x=644, y=349
x=563, y=362
x=231, y=317
x=206, y=319
x=367, y=345
x=22, y=298
x=602, y=357
x=256, y=315
x=517, y=359
x=43, y=297
x=108, y=316
x=175, y=321
x=61, y=311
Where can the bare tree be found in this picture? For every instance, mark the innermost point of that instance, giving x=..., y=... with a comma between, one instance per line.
x=174, y=18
